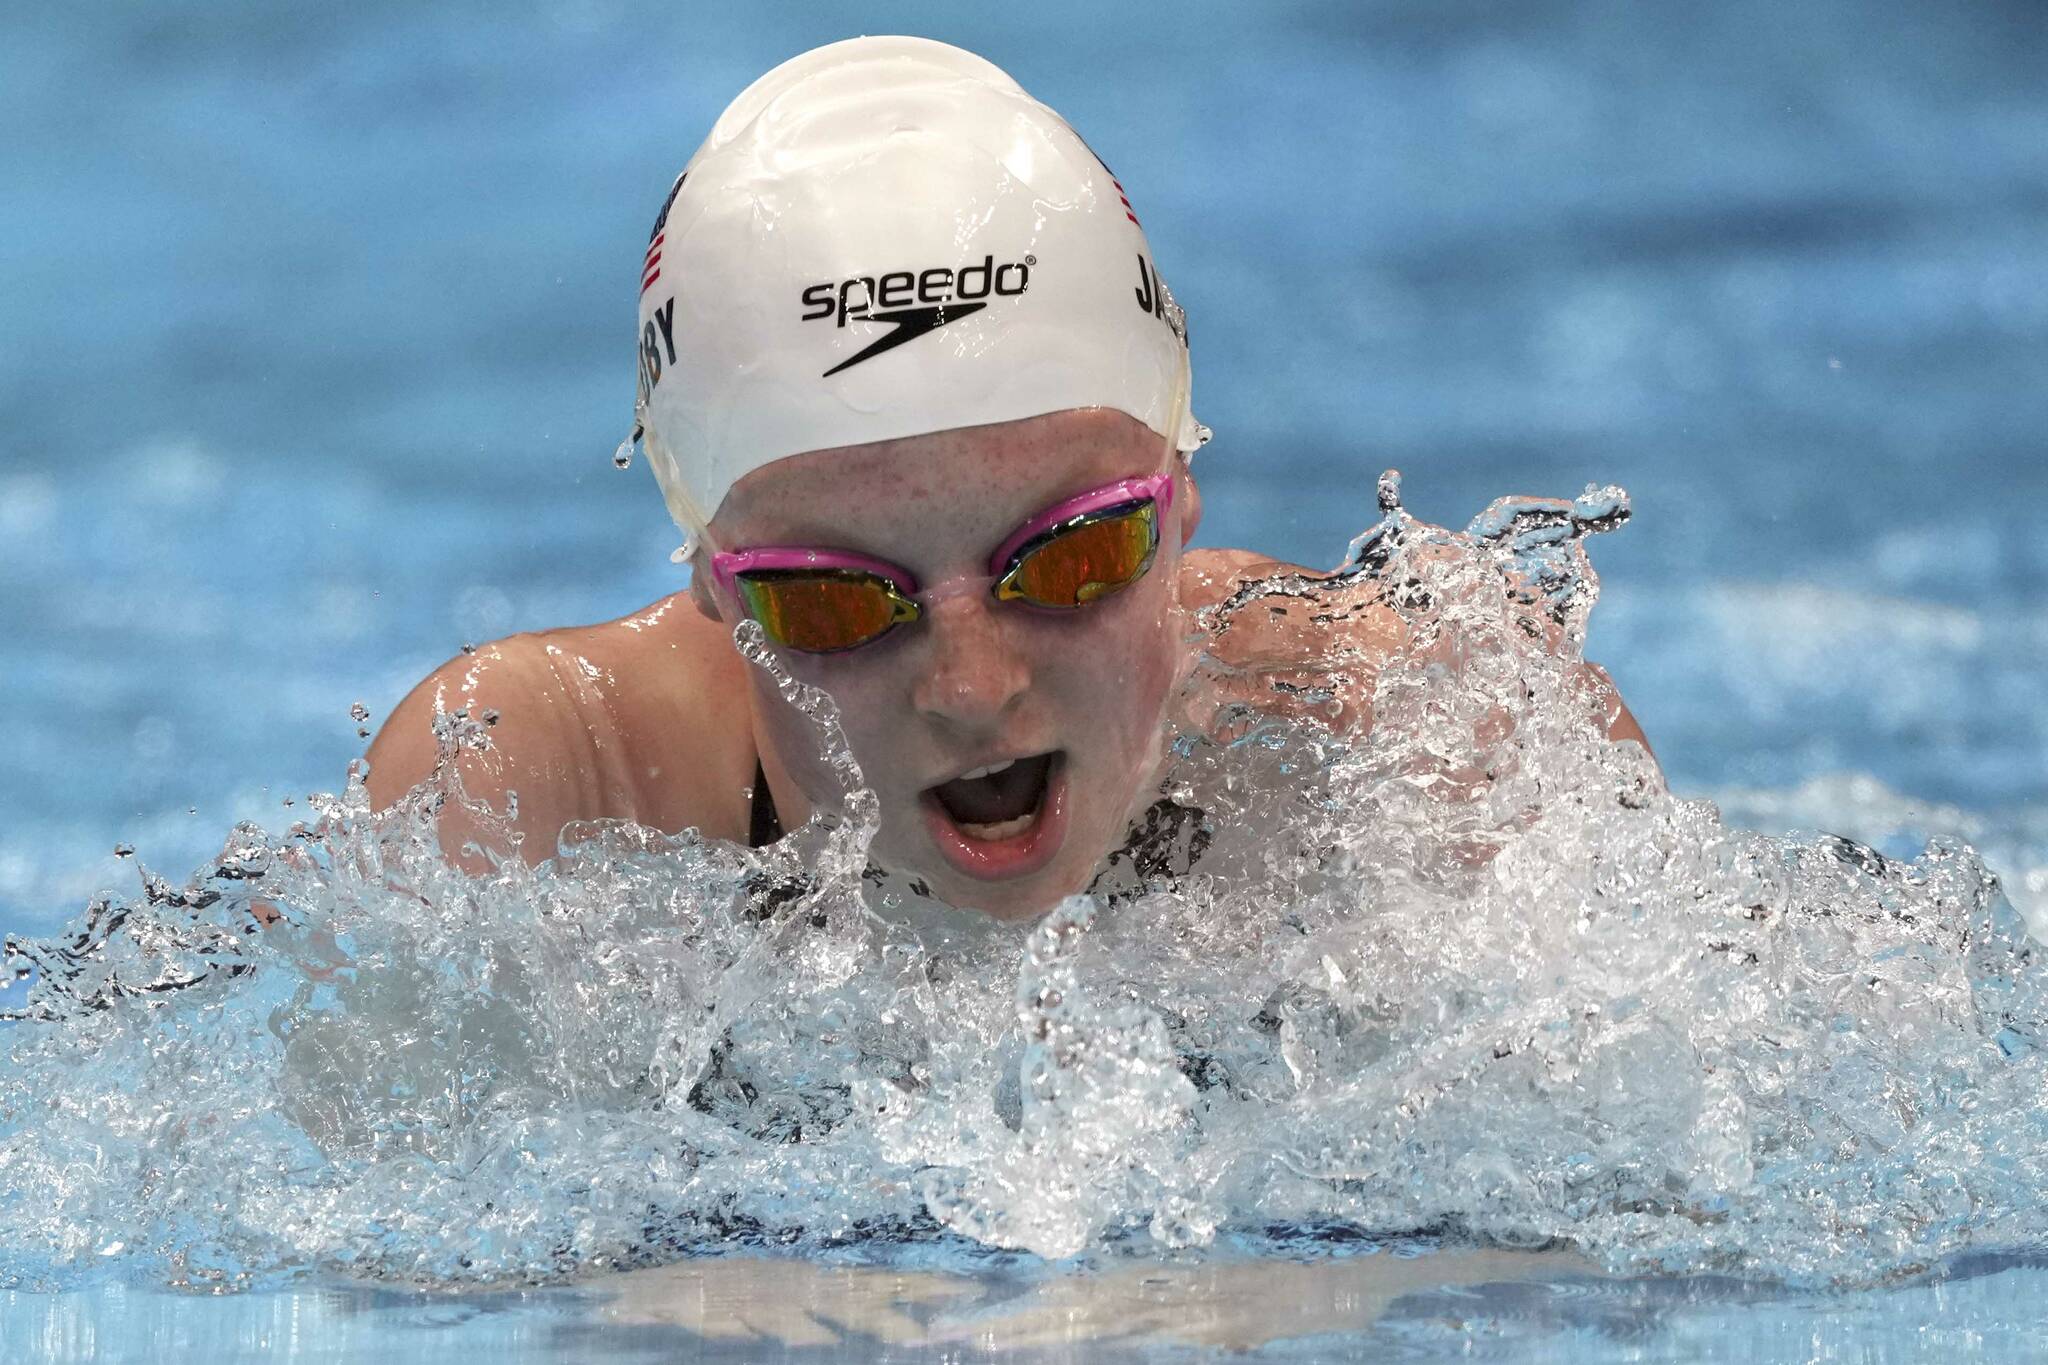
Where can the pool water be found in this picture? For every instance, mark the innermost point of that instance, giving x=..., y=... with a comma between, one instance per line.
x=1392, y=1303
x=314, y=364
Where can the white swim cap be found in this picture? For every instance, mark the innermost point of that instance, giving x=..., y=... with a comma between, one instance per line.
x=885, y=237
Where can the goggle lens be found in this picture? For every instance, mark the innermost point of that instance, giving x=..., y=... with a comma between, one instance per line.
x=823, y=610
x=1076, y=565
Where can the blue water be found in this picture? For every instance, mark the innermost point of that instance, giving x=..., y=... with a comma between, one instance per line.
x=315, y=343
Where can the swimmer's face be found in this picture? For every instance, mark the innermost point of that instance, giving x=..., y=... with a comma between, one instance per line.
x=1076, y=697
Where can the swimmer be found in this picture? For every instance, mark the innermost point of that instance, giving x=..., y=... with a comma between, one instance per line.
x=917, y=393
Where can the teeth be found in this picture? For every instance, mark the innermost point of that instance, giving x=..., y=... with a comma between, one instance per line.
x=990, y=771
x=1001, y=829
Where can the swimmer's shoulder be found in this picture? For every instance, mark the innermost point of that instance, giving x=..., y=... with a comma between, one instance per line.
x=1207, y=576
x=641, y=718
x=1275, y=649
x=1291, y=631
x=1210, y=576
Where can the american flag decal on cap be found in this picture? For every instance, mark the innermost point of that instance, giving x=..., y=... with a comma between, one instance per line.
x=650, y=268
x=1121, y=195
x=650, y=265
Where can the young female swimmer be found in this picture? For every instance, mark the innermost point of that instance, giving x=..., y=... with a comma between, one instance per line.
x=914, y=388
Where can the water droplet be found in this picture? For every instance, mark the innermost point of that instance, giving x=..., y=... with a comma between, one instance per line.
x=124, y=850
x=622, y=458
x=358, y=712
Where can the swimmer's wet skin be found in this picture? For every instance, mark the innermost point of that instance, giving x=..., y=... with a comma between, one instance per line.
x=932, y=434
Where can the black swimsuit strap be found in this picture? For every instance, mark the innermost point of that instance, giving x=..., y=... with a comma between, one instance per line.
x=764, y=824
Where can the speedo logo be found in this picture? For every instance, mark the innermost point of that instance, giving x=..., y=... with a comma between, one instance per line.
x=912, y=302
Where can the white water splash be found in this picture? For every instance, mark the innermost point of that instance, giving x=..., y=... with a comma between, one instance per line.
x=1475, y=972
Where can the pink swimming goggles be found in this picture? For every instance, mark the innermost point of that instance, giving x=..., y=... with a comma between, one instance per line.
x=1076, y=552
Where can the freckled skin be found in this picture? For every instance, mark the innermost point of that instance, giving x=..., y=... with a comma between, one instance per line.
x=655, y=718
x=976, y=680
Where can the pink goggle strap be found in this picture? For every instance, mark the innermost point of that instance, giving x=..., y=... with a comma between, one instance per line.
x=728, y=565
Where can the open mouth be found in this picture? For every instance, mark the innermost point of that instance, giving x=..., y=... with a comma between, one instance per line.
x=1002, y=822
x=1000, y=801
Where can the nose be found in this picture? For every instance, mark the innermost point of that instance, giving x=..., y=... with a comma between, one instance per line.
x=975, y=672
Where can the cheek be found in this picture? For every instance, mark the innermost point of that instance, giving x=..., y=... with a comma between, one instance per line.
x=1112, y=679
x=860, y=699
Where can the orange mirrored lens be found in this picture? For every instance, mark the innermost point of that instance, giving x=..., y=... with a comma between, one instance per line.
x=1091, y=561
x=819, y=612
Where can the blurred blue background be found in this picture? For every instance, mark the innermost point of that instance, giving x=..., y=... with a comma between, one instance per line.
x=316, y=335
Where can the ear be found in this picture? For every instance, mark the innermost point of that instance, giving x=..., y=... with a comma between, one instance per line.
x=1189, y=495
